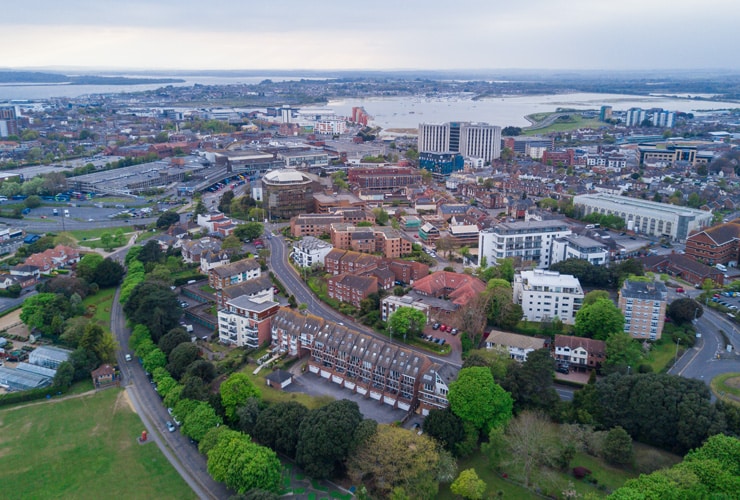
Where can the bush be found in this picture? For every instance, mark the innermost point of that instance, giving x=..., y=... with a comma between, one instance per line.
x=580, y=472
x=30, y=395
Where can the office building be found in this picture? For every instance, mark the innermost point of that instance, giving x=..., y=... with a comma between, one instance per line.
x=287, y=193
x=471, y=140
x=530, y=241
x=546, y=295
x=647, y=217
x=643, y=305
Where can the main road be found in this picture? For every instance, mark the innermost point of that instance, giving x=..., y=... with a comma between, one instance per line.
x=289, y=277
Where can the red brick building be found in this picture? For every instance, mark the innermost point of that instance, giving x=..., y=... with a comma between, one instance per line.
x=351, y=288
x=715, y=245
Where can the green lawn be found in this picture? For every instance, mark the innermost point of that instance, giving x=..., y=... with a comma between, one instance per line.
x=271, y=395
x=83, y=447
x=102, y=303
x=493, y=481
x=574, y=122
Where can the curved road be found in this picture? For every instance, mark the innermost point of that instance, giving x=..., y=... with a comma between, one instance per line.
x=288, y=276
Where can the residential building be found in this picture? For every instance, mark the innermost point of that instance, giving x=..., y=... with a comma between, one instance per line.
x=516, y=346
x=310, y=251
x=643, y=305
x=59, y=257
x=319, y=224
x=408, y=271
x=579, y=353
x=258, y=289
x=193, y=250
x=457, y=288
x=647, y=217
x=328, y=202
x=383, y=179
x=391, y=303
x=342, y=261
x=716, y=245
x=377, y=369
x=351, y=288
x=579, y=247
x=211, y=260
x=245, y=322
x=216, y=222
x=471, y=140
x=546, y=295
x=388, y=242
x=684, y=267
x=530, y=241
x=234, y=273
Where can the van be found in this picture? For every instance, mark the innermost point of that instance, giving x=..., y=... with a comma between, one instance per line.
x=721, y=267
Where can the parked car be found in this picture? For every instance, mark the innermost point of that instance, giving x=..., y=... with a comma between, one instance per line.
x=680, y=290
x=128, y=357
x=443, y=328
x=170, y=426
x=562, y=369
x=435, y=326
x=453, y=331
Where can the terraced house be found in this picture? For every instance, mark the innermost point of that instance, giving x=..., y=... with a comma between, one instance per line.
x=388, y=373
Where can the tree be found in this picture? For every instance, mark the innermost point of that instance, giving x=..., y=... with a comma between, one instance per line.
x=203, y=369
x=235, y=391
x=684, y=310
x=155, y=359
x=339, y=178
x=394, y=457
x=598, y=320
x=277, y=426
x=167, y=219
x=531, y=383
x=64, y=376
x=108, y=273
x=200, y=418
x=150, y=253
x=381, y=216
x=595, y=295
x=446, y=427
x=407, y=321
x=46, y=312
x=224, y=204
x=249, y=231
x=622, y=351
x=242, y=464
x=247, y=415
x=155, y=306
x=476, y=398
x=87, y=265
x=532, y=444
x=326, y=438
x=231, y=242
x=181, y=357
x=172, y=339
x=469, y=485
x=618, y=447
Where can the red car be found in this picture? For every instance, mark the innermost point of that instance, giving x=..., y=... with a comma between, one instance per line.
x=443, y=328
x=680, y=290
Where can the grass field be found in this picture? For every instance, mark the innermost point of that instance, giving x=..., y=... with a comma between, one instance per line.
x=662, y=355
x=83, y=447
x=102, y=302
x=93, y=234
x=274, y=396
x=574, y=122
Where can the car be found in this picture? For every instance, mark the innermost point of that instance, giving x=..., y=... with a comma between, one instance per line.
x=680, y=290
x=184, y=304
x=128, y=357
x=170, y=426
x=43, y=217
x=442, y=341
x=90, y=220
x=435, y=326
x=453, y=331
x=417, y=429
x=443, y=328
x=632, y=238
x=562, y=369
x=416, y=236
x=169, y=410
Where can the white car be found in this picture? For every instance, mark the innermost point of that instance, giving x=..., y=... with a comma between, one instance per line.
x=170, y=426
x=128, y=357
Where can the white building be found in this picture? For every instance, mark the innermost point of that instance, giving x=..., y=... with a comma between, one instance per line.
x=330, y=127
x=48, y=357
x=310, y=251
x=545, y=295
x=643, y=216
x=244, y=322
x=531, y=241
x=472, y=140
x=579, y=247
x=515, y=345
x=391, y=303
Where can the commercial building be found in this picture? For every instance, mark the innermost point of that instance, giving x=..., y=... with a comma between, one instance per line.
x=245, y=322
x=672, y=153
x=383, y=178
x=310, y=251
x=643, y=305
x=287, y=193
x=379, y=370
x=546, y=295
x=48, y=356
x=318, y=224
x=579, y=247
x=441, y=165
x=471, y=140
x=647, y=217
x=716, y=245
x=386, y=241
x=530, y=241
x=684, y=267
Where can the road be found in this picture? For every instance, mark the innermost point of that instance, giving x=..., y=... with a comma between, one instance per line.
x=288, y=276
x=183, y=455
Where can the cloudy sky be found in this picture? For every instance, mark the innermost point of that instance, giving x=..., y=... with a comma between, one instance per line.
x=382, y=34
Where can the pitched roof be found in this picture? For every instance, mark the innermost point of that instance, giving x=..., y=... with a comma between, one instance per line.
x=459, y=287
x=515, y=340
x=237, y=267
x=590, y=345
x=723, y=233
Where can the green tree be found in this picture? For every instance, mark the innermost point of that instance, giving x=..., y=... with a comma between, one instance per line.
x=151, y=253
x=476, y=398
x=224, y=204
x=407, y=321
x=381, y=216
x=618, y=447
x=200, y=418
x=108, y=273
x=622, y=351
x=155, y=306
x=64, y=376
x=155, y=359
x=172, y=339
x=685, y=310
x=277, y=426
x=469, y=485
x=446, y=427
x=243, y=465
x=235, y=391
x=386, y=462
x=87, y=265
x=598, y=320
x=595, y=295
x=181, y=357
x=33, y=201
x=249, y=231
x=531, y=383
x=326, y=437
x=167, y=219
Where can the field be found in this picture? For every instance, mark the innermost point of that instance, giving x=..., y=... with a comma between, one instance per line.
x=575, y=121
x=101, y=304
x=84, y=447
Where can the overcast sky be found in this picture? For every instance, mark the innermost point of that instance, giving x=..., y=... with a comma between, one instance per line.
x=381, y=34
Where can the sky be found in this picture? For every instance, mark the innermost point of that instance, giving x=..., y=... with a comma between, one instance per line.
x=382, y=34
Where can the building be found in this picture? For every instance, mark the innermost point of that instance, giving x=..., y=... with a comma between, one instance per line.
x=104, y=376
x=579, y=247
x=388, y=242
x=515, y=345
x=351, y=288
x=304, y=159
x=716, y=245
x=391, y=303
x=441, y=165
x=643, y=305
x=408, y=271
x=216, y=222
x=48, y=356
x=16, y=379
x=258, y=289
x=382, y=371
x=279, y=379
x=320, y=224
x=457, y=288
x=234, y=273
x=647, y=217
x=245, y=322
x=310, y=251
x=546, y=295
x=530, y=241
x=54, y=258
x=342, y=261
x=671, y=154
x=684, y=267
x=287, y=193
x=383, y=179
x=579, y=353
x=471, y=140
x=635, y=117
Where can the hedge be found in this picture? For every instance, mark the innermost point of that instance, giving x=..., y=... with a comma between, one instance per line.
x=31, y=395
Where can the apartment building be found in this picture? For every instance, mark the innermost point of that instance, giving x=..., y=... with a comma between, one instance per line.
x=471, y=140
x=245, y=322
x=530, y=241
x=516, y=346
x=391, y=303
x=379, y=370
x=258, y=289
x=310, y=251
x=383, y=179
x=647, y=217
x=579, y=247
x=342, y=261
x=643, y=305
x=234, y=273
x=716, y=245
x=388, y=242
x=579, y=353
x=318, y=224
x=351, y=288
x=546, y=295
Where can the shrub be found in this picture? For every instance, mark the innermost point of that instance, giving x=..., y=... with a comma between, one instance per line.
x=580, y=472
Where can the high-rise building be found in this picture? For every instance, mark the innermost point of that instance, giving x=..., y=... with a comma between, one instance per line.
x=529, y=241
x=546, y=295
x=8, y=121
x=471, y=140
x=605, y=113
x=643, y=305
x=635, y=117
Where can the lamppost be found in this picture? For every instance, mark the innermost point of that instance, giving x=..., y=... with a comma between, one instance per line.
x=675, y=358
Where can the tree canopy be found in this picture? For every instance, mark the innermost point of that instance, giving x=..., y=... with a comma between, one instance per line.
x=243, y=465
x=155, y=306
x=407, y=321
x=235, y=391
x=531, y=383
x=598, y=320
x=684, y=310
x=476, y=398
x=277, y=426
